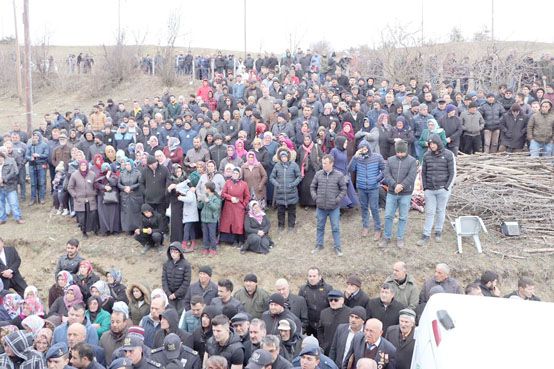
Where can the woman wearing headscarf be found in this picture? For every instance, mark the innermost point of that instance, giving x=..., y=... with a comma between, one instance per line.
x=152, y=145
x=11, y=308
x=43, y=340
x=256, y=228
x=384, y=133
x=32, y=324
x=309, y=162
x=341, y=164
x=72, y=296
x=108, y=213
x=117, y=288
x=139, y=302
x=85, y=278
x=231, y=158
x=101, y=290
x=236, y=196
x=81, y=189
x=110, y=152
x=432, y=128
x=348, y=132
x=176, y=220
x=211, y=175
x=98, y=317
x=130, y=197
x=63, y=280
x=401, y=132
x=173, y=151
x=240, y=150
x=255, y=176
x=97, y=161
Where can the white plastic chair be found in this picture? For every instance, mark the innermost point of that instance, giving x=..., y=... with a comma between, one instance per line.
x=469, y=226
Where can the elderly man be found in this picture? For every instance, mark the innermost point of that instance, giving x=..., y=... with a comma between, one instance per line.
x=337, y=313
x=253, y=298
x=385, y=307
x=296, y=304
x=402, y=337
x=271, y=344
x=241, y=325
x=407, y=293
x=345, y=333
x=151, y=322
x=76, y=333
x=370, y=344
x=354, y=295
x=76, y=314
x=441, y=278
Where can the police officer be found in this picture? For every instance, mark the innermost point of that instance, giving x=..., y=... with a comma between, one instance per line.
x=121, y=363
x=174, y=352
x=134, y=350
x=260, y=359
x=57, y=357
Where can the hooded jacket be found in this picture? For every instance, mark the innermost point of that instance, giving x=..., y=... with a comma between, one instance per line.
x=173, y=319
x=438, y=167
x=369, y=168
x=291, y=348
x=176, y=275
x=285, y=178
x=136, y=310
x=154, y=222
x=9, y=175
x=21, y=344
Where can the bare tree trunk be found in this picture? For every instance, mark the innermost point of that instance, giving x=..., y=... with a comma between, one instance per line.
x=27, y=66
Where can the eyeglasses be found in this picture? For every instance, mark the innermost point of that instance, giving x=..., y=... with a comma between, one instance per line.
x=334, y=300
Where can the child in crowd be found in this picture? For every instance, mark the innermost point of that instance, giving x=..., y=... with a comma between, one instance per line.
x=210, y=210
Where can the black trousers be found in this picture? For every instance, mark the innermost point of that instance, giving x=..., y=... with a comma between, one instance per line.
x=154, y=239
x=472, y=144
x=291, y=210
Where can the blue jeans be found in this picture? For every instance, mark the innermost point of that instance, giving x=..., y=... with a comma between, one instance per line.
x=334, y=217
x=11, y=198
x=402, y=203
x=37, y=172
x=435, y=207
x=540, y=149
x=369, y=200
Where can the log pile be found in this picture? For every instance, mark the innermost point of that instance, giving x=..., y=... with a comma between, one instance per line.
x=506, y=187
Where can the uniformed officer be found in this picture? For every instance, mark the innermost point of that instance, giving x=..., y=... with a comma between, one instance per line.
x=135, y=351
x=260, y=359
x=173, y=351
x=57, y=357
x=121, y=363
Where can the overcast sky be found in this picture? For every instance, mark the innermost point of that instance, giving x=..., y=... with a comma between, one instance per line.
x=272, y=25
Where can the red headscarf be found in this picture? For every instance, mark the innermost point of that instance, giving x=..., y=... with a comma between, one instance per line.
x=98, y=160
x=349, y=135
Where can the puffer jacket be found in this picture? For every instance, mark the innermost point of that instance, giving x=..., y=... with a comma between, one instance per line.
x=176, y=275
x=9, y=175
x=492, y=113
x=369, y=168
x=540, y=126
x=472, y=124
x=328, y=189
x=316, y=299
x=438, y=168
x=401, y=171
x=285, y=178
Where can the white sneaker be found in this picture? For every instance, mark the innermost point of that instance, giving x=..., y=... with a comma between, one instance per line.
x=65, y=212
x=72, y=214
x=59, y=212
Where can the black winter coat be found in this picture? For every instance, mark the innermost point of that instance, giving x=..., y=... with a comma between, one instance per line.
x=154, y=222
x=176, y=276
x=404, y=347
x=492, y=113
x=285, y=179
x=452, y=128
x=438, y=168
x=388, y=316
x=328, y=323
x=155, y=184
x=513, y=130
x=359, y=299
x=316, y=299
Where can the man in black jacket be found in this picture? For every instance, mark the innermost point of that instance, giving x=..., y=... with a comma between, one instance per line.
x=437, y=173
x=370, y=344
x=344, y=334
x=296, y=304
x=385, y=307
x=150, y=234
x=402, y=337
x=176, y=276
x=353, y=295
x=315, y=293
x=327, y=189
x=330, y=318
x=9, y=269
x=205, y=287
x=154, y=180
x=452, y=125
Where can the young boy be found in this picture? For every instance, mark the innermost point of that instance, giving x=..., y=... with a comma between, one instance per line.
x=211, y=208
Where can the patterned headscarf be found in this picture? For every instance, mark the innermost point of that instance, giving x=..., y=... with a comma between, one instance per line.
x=78, y=296
x=12, y=304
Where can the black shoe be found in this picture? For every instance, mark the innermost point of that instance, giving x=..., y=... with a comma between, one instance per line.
x=145, y=249
x=85, y=235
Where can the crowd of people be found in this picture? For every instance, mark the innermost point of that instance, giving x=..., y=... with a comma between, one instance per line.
x=91, y=321
x=210, y=166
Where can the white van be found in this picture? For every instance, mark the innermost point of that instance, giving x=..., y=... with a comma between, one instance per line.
x=474, y=332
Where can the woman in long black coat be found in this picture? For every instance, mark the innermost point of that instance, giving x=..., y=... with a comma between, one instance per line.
x=108, y=214
x=130, y=197
x=256, y=229
x=176, y=223
x=309, y=160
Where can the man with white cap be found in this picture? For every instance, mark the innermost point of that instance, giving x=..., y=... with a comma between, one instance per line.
x=402, y=337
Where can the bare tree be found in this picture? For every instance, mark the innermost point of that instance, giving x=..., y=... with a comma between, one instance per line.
x=167, y=69
x=456, y=35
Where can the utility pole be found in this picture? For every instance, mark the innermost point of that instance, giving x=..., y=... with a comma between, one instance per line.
x=17, y=58
x=118, y=22
x=492, y=20
x=244, y=30
x=422, y=12
x=27, y=67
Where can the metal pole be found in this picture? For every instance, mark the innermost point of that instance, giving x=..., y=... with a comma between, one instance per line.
x=118, y=22
x=244, y=30
x=17, y=58
x=492, y=20
x=422, y=12
x=27, y=67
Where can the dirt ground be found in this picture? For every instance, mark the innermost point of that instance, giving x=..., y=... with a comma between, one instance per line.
x=42, y=239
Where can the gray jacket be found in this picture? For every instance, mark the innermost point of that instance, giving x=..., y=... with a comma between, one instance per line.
x=9, y=175
x=328, y=189
x=472, y=124
x=401, y=171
